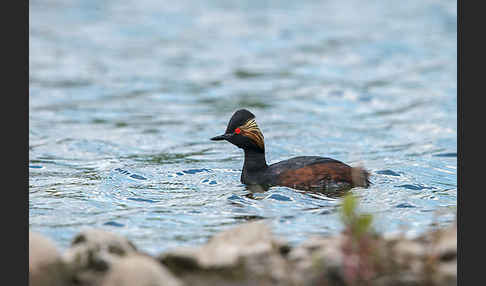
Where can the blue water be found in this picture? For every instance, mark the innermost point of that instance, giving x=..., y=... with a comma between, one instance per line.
x=124, y=96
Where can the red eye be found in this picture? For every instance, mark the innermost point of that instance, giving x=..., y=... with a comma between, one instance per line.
x=237, y=130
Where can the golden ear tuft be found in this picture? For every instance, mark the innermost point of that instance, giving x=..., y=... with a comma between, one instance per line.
x=250, y=129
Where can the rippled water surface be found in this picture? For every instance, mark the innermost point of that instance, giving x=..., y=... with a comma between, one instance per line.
x=124, y=96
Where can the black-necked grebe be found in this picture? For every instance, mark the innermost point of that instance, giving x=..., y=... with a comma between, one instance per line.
x=302, y=173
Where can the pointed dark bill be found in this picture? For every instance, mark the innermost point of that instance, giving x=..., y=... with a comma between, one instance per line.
x=221, y=137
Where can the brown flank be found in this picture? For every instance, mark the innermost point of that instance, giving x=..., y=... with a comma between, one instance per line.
x=315, y=174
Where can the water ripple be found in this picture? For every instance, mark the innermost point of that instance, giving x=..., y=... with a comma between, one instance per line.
x=120, y=114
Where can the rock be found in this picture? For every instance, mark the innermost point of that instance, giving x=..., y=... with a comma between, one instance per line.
x=249, y=255
x=446, y=247
x=45, y=263
x=92, y=253
x=228, y=247
x=317, y=261
x=430, y=259
x=409, y=255
x=141, y=271
x=445, y=252
x=245, y=255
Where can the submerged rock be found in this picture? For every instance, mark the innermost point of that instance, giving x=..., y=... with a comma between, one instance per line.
x=45, y=263
x=139, y=270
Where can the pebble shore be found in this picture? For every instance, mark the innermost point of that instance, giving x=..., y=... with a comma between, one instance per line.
x=248, y=254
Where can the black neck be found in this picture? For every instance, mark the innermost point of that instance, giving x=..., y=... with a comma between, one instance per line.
x=254, y=160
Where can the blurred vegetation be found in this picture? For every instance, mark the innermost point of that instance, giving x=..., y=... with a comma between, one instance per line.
x=356, y=224
x=360, y=248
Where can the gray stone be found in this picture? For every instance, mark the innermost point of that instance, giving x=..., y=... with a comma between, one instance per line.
x=245, y=255
x=92, y=253
x=141, y=271
x=445, y=251
x=250, y=255
x=446, y=248
x=317, y=261
x=45, y=263
x=409, y=254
